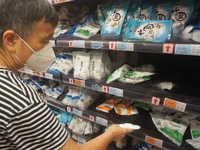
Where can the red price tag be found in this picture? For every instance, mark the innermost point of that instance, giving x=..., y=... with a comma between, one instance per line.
x=105, y=89
x=71, y=44
x=168, y=48
x=92, y=118
x=74, y=136
x=112, y=45
x=71, y=81
x=69, y=109
x=155, y=101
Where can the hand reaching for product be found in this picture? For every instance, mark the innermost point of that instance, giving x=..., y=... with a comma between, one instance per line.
x=118, y=132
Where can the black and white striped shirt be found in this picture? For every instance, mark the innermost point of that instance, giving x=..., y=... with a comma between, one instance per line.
x=26, y=122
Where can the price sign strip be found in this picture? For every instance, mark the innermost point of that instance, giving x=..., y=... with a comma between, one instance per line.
x=174, y=104
x=154, y=141
x=187, y=49
x=77, y=43
x=123, y=46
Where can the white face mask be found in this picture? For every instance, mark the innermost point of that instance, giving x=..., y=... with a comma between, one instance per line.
x=40, y=60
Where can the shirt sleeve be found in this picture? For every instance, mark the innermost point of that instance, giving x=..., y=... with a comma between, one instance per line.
x=36, y=127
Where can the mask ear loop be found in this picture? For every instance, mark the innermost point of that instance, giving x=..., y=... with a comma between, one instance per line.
x=25, y=43
x=19, y=60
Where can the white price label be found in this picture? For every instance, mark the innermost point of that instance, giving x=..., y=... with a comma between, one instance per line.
x=195, y=50
x=77, y=112
x=79, y=43
x=48, y=76
x=125, y=46
x=116, y=91
x=52, y=42
x=28, y=71
x=81, y=140
x=101, y=121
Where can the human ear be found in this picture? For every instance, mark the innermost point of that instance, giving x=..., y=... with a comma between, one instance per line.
x=10, y=40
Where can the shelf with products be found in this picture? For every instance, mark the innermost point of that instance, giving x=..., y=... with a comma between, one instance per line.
x=85, y=115
x=146, y=92
x=40, y=74
x=183, y=97
x=148, y=132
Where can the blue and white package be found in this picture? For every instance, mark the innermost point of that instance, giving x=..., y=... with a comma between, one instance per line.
x=100, y=17
x=163, y=11
x=133, y=12
x=106, y=8
x=146, y=12
x=148, y=30
x=63, y=64
x=180, y=14
x=113, y=23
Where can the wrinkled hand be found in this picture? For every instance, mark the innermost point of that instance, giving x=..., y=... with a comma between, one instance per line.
x=117, y=132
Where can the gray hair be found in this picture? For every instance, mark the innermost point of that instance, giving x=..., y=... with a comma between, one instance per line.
x=21, y=15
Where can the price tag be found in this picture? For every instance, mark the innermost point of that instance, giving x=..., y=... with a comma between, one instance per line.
x=112, y=45
x=28, y=71
x=174, y=104
x=154, y=141
x=125, y=46
x=79, y=43
x=105, y=89
x=80, y=139
x=168, y=48
x=71, y=81
x=80, y=82
x=101, y=121
x=116, y=91
x=155, y=101
x=195, y=50
x=52, y=42
x=77, y=112
x=71, y=44
x=74, y=136
x=92, y=118
x=69, y=109
x=48, y=76
x=96, y=44
x=183, y=49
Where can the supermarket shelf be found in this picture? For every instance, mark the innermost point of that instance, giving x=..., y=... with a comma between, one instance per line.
x=174, y=46
x=40, y=74
x=183, y=97
x=185, y=101
x=143, y=119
